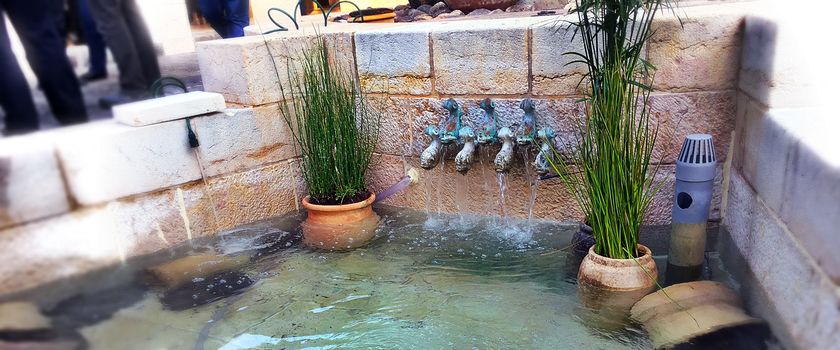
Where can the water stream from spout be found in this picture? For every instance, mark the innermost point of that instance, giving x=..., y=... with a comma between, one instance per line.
x=501, y=178
x=490, y=206
x=461, y=186
x=533, y=182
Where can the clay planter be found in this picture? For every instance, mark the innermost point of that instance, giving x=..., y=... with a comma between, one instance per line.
x=609, y=287
x=339, y=227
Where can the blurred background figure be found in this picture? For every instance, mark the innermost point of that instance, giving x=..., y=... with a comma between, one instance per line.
x=227, y=17
x=37, y=28
x=125, y=33
x=97, y=69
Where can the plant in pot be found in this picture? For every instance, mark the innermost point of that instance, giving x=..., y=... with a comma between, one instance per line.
x=607, y=168
x=335, y=132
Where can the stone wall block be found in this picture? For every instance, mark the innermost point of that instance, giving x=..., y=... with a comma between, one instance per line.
x=93, y=238
x=240, y=69
x=801, y=296
x=679, y=115
x=776, y=69
x=703, y=55
x=553, y=72
x=31, y=186
x=104, y=161
x=395, y=128
x=256, y=194
x=481, y=59
x=394, y=61
x=247, y=139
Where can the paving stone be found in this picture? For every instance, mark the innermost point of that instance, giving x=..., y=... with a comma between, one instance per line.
x=481, y=57
x=31, y=186
x=394, y=61
x=702, y=55
x=104, y=161
x=168, y=108
x=243, y=139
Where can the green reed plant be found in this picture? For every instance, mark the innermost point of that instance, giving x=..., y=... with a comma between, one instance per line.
x=609, y=173
x=334, y=128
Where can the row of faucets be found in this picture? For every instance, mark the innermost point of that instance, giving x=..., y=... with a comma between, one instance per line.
x=451, y=131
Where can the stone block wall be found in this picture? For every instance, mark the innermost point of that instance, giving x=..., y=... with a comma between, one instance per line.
x=783, y=188
x=84, y=198
x=410, y=69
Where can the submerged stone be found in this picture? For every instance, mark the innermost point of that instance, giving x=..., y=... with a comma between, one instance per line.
x=206, y=290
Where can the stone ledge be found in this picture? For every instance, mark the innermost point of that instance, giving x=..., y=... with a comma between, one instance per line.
x=31, y=186
x=802, y=298
x=104, y=161
x=168, y=108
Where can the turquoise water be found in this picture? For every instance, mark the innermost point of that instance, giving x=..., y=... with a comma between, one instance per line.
x=425, y=282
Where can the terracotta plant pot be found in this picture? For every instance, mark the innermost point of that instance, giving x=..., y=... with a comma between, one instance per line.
x=610, y=287
x=339, y=227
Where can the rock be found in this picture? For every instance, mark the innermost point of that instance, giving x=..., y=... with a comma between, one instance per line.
x=479, y=12
x=413, y=15
x=439, y=9
x=425, y=8
x=456, y=13
x=182, y=271
x=206, y=290
x=497, y=11
x=522, y=6
x=401, y=8
x=685, y=311
x=21, y=316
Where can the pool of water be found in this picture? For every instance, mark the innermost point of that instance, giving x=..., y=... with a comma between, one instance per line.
x=425, y=282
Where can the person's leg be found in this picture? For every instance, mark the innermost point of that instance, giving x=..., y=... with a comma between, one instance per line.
x=214, y=12
x=114, y=28
x=45, y=51
x=142, y=42
x=15, y=97
x=237, y=17
x=95, y=42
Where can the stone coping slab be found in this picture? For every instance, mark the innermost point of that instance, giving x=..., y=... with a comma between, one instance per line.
x=168, y=108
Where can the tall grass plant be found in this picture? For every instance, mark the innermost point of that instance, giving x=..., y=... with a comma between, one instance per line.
x=334, y=128
x=609, y=172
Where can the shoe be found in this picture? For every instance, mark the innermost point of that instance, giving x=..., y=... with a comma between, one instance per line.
x=92, y=76
x=122, y=97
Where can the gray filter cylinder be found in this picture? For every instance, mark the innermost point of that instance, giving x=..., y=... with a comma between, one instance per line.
x=696, y=168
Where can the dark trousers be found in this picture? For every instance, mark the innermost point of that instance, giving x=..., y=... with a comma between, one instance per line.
x=125, y=33
x=94, y=40
x=45, y=51
x=228, y=17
